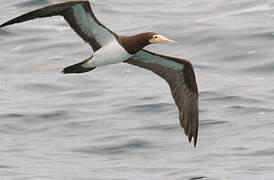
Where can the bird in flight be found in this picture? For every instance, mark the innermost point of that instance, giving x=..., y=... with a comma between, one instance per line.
x=110, y=48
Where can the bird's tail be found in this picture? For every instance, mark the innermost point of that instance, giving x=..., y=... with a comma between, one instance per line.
x=80, y=67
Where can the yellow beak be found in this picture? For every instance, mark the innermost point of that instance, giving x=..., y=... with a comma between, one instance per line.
x=161, y=39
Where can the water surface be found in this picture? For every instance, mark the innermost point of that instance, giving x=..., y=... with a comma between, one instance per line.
x=120, y=122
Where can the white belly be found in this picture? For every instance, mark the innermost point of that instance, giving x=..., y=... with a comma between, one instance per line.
x=111, y=53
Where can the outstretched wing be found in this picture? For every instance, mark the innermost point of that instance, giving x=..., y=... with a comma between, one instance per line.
x=180, y=76
x=80, y=17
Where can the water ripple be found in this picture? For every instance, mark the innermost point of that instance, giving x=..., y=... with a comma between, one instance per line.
x=210, y=122
x=156, y=107
x=31, y=3
x=96, y=126
x=131, y=145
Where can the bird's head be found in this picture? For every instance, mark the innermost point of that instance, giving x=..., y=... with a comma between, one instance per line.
x=135, y=43
x=157, y=38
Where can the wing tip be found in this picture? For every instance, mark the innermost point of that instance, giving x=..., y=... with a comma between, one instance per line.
x=195, y=141
x=12, y=21
x=4, y=24
x=7, y=23
x=191, y=133
x=195, y=138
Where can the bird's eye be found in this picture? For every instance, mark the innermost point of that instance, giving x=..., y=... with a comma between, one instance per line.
x=155, y=37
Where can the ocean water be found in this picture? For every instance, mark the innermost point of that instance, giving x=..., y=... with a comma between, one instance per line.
x=120, y=122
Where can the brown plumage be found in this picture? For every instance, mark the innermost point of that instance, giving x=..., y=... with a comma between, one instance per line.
x=177, y=72
x=133, y=44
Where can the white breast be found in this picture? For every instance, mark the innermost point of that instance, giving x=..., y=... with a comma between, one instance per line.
x=111, y=53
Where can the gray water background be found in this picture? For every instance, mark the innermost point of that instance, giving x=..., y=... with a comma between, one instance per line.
x=120, y=122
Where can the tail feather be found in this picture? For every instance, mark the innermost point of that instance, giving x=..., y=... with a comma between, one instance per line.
x=80, y=67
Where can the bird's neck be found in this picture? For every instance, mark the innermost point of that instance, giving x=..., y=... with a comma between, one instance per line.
x=133, y=44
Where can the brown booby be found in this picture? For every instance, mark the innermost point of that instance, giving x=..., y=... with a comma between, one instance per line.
x=111, y=48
